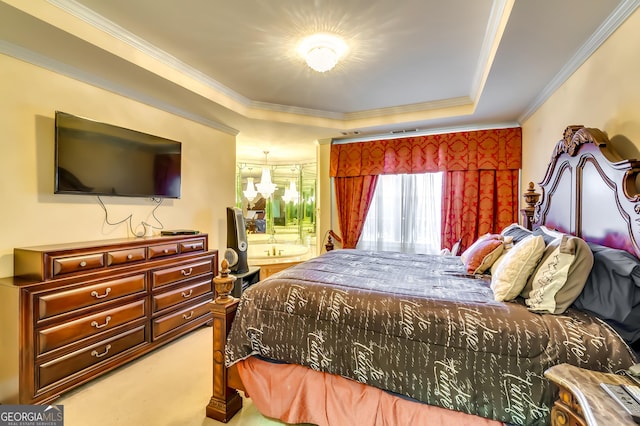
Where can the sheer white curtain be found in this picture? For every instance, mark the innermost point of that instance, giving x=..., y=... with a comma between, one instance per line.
x=404, y=214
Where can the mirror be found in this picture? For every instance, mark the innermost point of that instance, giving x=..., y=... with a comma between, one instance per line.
x=289, y=214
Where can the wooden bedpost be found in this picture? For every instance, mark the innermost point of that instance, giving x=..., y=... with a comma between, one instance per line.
x=332, y=236
x=531, y=198
x=329, y=245
x=225, y=401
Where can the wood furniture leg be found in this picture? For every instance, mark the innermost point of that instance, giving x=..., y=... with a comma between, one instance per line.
x=225, y=401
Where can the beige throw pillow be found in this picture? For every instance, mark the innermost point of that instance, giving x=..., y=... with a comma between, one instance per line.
x=560, y=277
x=515, y=268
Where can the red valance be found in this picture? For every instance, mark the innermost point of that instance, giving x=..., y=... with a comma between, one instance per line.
x=496, y=149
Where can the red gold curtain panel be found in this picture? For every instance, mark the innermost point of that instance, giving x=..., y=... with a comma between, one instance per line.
x=353, y=198
x=480, y=191
x=498, y=149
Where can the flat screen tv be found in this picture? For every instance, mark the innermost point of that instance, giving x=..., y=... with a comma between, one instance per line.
x=95, y=158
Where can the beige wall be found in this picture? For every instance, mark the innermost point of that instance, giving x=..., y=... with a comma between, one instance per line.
x=323, y=197
x=603, y=93
x=32, y=215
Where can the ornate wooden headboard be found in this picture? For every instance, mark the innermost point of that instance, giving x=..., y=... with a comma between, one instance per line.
x=591, y=192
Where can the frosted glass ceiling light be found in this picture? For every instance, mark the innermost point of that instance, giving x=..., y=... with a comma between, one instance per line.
x=266, y=187
x=322, y=51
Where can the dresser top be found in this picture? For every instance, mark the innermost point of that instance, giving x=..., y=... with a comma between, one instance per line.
x=83, y=245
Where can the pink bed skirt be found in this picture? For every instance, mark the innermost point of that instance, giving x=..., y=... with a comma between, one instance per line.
x=297, y=394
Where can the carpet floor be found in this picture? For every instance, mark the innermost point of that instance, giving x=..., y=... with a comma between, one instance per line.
x=168, y=387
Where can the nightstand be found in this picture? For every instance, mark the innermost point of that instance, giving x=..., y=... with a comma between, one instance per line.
x=582, y=401
x=245, y=280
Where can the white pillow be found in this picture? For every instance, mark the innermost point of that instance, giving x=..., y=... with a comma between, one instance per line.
x=515, y=268
x=508, y=245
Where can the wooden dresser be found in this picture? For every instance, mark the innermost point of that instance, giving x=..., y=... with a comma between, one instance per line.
x=75, y=311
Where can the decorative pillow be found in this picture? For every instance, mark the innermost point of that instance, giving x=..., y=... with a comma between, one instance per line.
x=508, y=240
x=518, y=264
x=612, y=291
x=483, y=255
x=472, y=247
x=499, y=260
x=548, y=234
x=516, y=231
x=560, y=276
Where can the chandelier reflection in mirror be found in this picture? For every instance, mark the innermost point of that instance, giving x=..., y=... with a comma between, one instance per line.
x=251, y=193
x=291, y=194
x=266, y=187
x=286, y=215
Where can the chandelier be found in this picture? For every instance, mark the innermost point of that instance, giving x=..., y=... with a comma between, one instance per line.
x=322, y=51
x=250, y=192
x=266, y=187
x=291, y=193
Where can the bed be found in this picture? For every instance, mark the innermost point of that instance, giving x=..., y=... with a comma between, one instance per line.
x=395, y=337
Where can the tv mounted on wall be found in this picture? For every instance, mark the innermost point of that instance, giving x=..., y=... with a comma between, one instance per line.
x=95, y=158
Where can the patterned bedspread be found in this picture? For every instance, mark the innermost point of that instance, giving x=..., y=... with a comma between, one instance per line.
x=418, y=326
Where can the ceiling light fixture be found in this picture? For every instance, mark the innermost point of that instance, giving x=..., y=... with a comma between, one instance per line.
x=322, y=51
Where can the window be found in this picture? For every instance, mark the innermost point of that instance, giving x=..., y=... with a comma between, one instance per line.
x=404, y=214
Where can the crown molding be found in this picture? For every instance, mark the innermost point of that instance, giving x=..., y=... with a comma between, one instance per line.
x=45, y=62
x=608, y=27
x=498, y=18
x=440, y=104
x=114, y=30
x=624, y=9
x=426, y=132
x=98, y=21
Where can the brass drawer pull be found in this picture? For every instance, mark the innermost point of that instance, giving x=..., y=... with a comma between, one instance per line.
x=97, y=296
x=186, y=273
x=187, y=317
x=96, y=325
x=185, y=295
x=83, y=264
x=97, y=355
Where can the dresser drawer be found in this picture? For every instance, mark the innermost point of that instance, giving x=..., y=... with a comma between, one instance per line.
x=188, y=292
x=120, y=257
x=166, y=323
x=58, y=302
x=166, y=276
x=59, y=368
x=192, y=245
x=55, y=337
x=162, y=250
x=67, y=265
